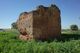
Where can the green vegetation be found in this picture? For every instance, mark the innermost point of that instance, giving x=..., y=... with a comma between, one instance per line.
x=9, y=43
x=74, y=27
x=14, y=25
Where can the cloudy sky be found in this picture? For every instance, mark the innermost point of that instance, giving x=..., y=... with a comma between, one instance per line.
x=10, y=10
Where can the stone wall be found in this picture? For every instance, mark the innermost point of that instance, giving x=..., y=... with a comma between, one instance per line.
x=41, y=24
x=46, y=22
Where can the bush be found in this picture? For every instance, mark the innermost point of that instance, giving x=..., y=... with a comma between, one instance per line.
x=14, y=25
x=74, y=27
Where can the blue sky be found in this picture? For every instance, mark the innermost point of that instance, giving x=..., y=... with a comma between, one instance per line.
x=10, y=10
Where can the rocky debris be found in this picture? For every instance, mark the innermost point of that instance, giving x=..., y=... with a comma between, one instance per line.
x=25, y=37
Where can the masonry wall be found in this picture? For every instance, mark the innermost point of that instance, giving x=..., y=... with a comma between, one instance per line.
x=42, y=24
x=25, y=23
x=46, y=23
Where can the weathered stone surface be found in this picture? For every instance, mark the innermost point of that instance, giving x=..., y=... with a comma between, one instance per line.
x=43, y=23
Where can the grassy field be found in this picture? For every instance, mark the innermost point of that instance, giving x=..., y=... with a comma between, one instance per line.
x=9, y=43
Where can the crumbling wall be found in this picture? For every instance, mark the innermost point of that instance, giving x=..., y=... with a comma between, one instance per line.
x=41, y=24
x=46, y=23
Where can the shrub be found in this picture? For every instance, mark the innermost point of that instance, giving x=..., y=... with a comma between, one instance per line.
x=14, y=25
x=74, y=27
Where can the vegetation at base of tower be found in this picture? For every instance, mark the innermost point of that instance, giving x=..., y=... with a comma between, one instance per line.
x=9, y=43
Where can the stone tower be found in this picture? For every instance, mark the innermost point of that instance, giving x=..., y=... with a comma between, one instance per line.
x=40, y=24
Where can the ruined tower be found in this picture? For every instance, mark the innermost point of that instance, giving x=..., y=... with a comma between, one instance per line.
x=41, y=24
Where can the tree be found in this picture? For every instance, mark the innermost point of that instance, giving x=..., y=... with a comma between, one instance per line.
x=14, y=25
x=74, y=27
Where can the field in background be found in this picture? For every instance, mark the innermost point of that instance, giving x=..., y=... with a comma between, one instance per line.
x=68, y=31
x=69, y=43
